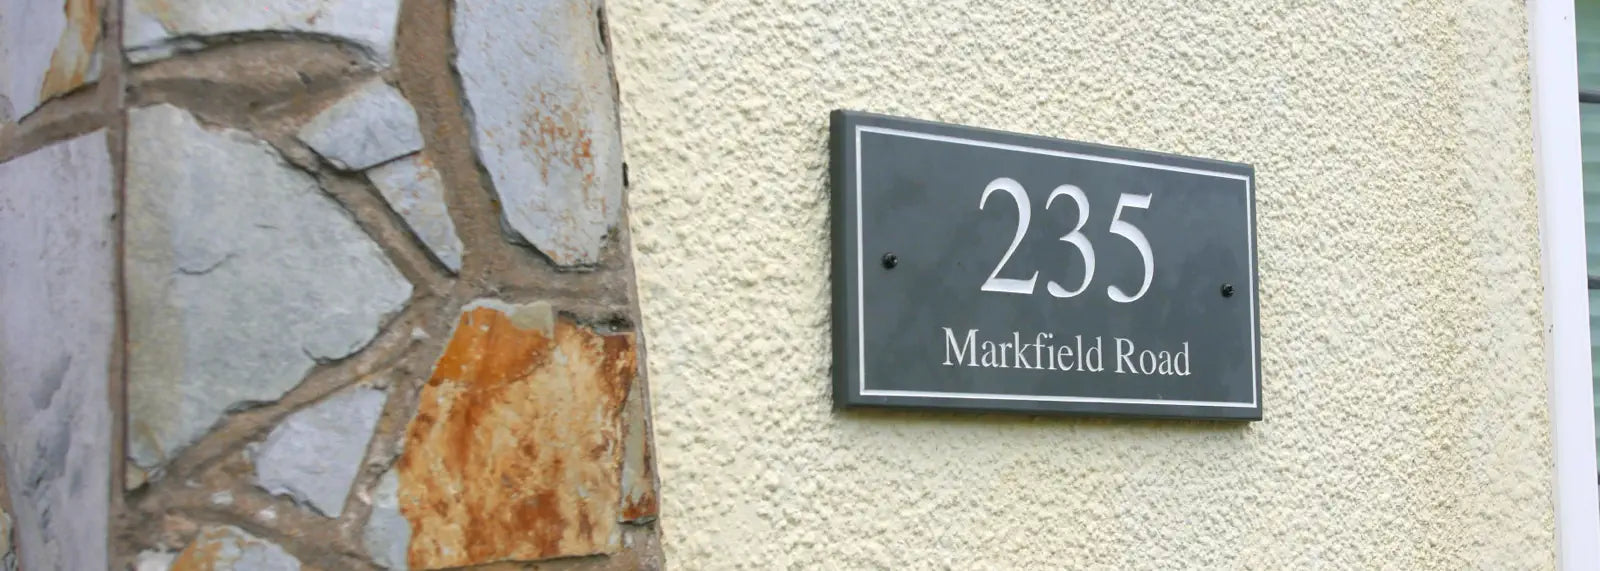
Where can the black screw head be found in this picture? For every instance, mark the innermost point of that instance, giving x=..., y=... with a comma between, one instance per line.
x=1227, y=290
x=890, y=261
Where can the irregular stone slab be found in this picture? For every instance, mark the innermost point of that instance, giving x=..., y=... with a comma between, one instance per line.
x=544, y=120
x=414, y=190
x=387, y=534
x=228, y=548
x=314, y=454
x=515, y=450
x=639, y=503
x=156, y=29
x=154, y=561
x=57, y=324
x=47, y=48
x=371, y=125
x=8, y=562
x=241, y=275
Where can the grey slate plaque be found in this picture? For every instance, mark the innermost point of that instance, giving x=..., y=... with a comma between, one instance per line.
x=981, y=270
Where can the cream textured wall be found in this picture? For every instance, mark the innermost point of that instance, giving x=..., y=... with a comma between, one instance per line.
x=1404, y=386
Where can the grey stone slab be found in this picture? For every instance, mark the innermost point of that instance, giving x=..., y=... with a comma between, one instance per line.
x=228, y=548
x=154, y=561
x=47, y=48
x=544, y=120
x=28, y=32
x=314, y=454
x=57, y=319
x=241, y=275
x=156, y=29
x=370, y=125
x=387, y=536
x=8, y=561
x=414, y=190
x=639, y=498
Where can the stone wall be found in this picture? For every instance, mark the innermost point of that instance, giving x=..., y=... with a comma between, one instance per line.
x=59, y=339
x=341, y=284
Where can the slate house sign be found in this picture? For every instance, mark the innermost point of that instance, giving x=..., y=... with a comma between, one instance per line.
x=982, y=270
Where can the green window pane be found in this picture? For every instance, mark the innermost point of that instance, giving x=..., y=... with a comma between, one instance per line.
x=1588, y=28
x=1588, y=24
x=1594, y=354
x=1589, y=120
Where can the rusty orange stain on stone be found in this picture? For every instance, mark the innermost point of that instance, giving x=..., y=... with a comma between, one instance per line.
x=203, y=554
x=222, y=548
x=74, y=53
x=515, y=451
x=556, y=134
x=161, y=9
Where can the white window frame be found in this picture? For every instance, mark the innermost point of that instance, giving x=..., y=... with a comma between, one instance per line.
x=1559, y=166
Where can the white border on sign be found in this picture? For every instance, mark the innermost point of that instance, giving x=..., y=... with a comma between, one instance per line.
x=861, y=321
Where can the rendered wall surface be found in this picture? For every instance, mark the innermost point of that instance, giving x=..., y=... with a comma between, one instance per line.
x=1406, y=422
x=295, y=284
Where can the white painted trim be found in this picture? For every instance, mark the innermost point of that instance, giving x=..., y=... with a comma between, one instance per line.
x=861, y=320
x=1558, y=164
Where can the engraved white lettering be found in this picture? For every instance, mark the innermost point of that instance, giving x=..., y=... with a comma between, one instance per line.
x=1125, y=355
x=1091, y=357
x=965, y=350
x=1038, y=342
x=1018, y=358
x=1063, y=358
x=1042, y=354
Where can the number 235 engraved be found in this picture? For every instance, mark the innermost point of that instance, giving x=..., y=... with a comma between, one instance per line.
x=1076, y=238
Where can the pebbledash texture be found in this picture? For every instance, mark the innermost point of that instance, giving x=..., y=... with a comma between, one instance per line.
x=330, y=343
x=1400, y=314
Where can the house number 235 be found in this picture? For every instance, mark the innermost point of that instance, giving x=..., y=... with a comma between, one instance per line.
x=1075, y=237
